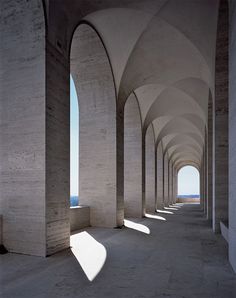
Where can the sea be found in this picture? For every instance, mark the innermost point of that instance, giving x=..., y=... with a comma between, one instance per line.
x=189, y=196
x=74, y=201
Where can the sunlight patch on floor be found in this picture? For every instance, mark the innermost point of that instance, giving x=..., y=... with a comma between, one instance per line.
x=136, y=226
x=164, y=211
x=90, y=254
x=171, y=208
x=155, y=216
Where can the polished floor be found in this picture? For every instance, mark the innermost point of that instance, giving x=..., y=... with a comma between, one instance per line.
x=170, y=254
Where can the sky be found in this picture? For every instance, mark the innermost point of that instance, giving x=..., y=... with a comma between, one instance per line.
x=188, y=177
x=188, y=181
x=74, y=140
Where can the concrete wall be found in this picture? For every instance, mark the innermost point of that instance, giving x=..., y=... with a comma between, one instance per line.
x=232, y=138
x=57, y=150
x=132, y=159
x=209, y=161
x=170, y=184
x=205, y=178
x=97, y=106
x=159, y=177
x=22, y=126
x=1, y=229
x=166, y=179
x=150, y=170
x=220, y=122
x=79, y=217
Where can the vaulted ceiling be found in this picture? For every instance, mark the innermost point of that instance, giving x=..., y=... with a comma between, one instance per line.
x=163, y=51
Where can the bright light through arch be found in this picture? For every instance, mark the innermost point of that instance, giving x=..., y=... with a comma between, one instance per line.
x=74, y=144
x=188, y=181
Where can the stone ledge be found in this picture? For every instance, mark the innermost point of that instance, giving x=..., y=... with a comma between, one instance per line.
x=224, y=230
x=79, y=217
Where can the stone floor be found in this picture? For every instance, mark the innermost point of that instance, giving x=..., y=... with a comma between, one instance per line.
x=170, y=254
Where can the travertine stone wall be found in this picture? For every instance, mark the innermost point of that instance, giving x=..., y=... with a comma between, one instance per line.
x=132, y=159
x=1, y=229
x=159, y=177
x=175, y=185
x=232, y=138
x=205, y=178
x=79, y=217
x=150, y=170
x=201, y=187
x=209, y=161
x=220, y=122
x=94, y=83
x=22, y=126
x=166, y=179
x=57, y=151
x=170, y=184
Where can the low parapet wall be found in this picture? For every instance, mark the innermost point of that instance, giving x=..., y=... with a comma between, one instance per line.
x=79, y=217
x=188, y=200
x=224, y=230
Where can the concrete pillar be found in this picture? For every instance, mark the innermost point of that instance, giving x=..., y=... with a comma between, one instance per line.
x=205, y=178
x=175, y=185
x=150, y=170
x=101, y=130
x=57, y=151
x=132, y=159
x=232, y=138
x=159, y=177
x=22, y=126
x=209, y=161
x=170, y=184
x=166, y=179
x=201, y=187
x=220, y=122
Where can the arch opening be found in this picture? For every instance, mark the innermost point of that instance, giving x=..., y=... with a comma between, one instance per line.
x=188, y=185
x=74, y=145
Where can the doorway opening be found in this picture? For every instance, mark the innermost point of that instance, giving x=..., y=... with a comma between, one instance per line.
x=188, y=185
x=74, y=145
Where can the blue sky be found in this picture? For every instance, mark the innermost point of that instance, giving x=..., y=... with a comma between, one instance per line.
x=74, y=140
x=188, y=177
x=188, y=181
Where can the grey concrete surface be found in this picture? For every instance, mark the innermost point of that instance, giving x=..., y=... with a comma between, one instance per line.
x=57, y=151
x=79, y=217
x=209, y=161
x=132, y=159
x=150, y=198
x=0, y=229
x=159, y=177
x=232, y=138
x=22, y=126
x=166, y=179
x=220, y=121
x=97, y=146
x=170, y=184
x=181, y=257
